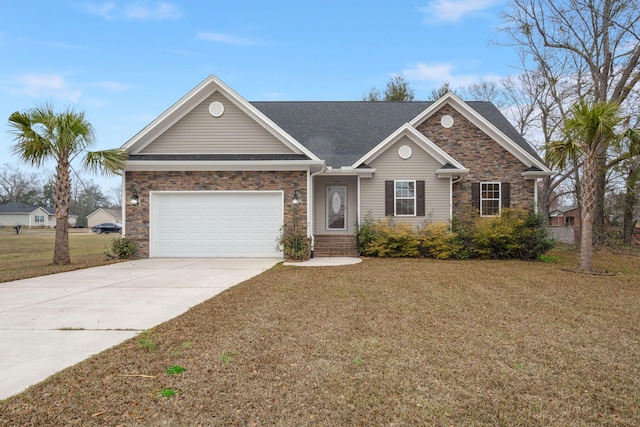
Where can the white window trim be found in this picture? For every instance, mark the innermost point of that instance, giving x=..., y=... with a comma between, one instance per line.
x=396, y=198
x=41, y=217
x=499, y=199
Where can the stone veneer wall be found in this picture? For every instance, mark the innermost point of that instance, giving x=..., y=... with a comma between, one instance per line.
x=137, y=217
x=485, y=159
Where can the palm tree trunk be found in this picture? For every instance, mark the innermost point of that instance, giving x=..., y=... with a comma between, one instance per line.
x=62, y=196
x=599, y=195
x=588, y=191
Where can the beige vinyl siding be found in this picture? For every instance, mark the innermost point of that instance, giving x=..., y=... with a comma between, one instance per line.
x=100, y=216
x=29, y=220
x=320, y=206
x=232, y=133
x=419, y=167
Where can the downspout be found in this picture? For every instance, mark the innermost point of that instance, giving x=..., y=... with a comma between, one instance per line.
x=451, y=182
x=124, y=205
x=535, y=195
x=310, y=212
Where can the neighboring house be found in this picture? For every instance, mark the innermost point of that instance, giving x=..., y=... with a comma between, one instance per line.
x=564, y=224
x=215, y=175
x=16, y=213
x=564, y=216
x=102, y=215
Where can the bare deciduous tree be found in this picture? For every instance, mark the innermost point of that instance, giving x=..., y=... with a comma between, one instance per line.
x=594, y=43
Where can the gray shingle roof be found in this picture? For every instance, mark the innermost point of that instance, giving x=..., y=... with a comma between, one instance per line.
x=341, y=132
x=17, y=207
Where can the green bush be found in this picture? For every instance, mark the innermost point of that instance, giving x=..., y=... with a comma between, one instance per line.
x=437, y=240
x=295, y=246
x=366, y=233
x=293, y=241
x=121, y=248
x=517, y=234
x=392, y=240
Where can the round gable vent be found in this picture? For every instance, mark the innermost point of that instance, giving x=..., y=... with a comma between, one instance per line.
x=404, y=152
x=446, y=121
x=216, y=108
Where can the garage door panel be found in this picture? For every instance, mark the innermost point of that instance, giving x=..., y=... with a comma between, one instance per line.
x=215, y=224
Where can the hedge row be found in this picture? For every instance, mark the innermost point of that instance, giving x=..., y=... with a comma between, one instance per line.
x=516, y=234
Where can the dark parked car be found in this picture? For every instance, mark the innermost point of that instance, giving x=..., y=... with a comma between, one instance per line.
x=107, y=227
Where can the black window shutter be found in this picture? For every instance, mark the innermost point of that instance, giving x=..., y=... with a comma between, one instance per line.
x=505, y=189
x=388, y=198
x=420, y=198
x=475, y=195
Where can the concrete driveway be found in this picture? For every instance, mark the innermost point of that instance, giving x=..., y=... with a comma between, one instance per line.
x=51, y=322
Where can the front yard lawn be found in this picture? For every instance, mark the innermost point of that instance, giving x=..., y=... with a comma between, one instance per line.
x=402, y=342
x=30, y=253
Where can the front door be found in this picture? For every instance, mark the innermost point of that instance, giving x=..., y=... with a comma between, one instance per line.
x=336, y=207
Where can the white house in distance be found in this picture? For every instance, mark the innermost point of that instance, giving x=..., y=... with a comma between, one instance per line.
x=16, y=213
x=102, y=215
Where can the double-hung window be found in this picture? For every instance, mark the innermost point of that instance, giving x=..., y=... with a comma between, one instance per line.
x=490, y=200
x=405, y=198
x=39, y=218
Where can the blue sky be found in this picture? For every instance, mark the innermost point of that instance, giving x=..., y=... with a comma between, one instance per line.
x=125, y=62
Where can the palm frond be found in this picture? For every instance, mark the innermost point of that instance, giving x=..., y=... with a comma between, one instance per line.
x=559, y=153
x=31, y=146
x=105, y=162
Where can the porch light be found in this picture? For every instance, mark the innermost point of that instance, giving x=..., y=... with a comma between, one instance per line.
x=135, y=200
x=295, y=200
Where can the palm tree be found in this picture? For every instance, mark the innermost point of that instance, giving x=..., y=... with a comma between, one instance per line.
x=42, y=135
x=588, y=129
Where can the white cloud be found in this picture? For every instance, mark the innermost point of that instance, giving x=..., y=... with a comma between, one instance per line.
x=47, y=86
x=157, y=12
x=104, y=10
x=141, y=11
x=454, y=10
x=440, y=73
x=228, y=39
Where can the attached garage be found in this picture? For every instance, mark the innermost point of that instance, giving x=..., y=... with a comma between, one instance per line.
x=203, y=224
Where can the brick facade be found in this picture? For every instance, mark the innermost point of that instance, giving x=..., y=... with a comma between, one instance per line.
x=137, y=217
x=484, y=157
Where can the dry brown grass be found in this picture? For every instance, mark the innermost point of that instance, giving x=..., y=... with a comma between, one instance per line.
x=401, y=342
x=30, y=253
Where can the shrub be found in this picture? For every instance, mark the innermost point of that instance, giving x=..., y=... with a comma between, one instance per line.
x=392, y=240
x=366, y=233
x=294, y=245
x=437, y=240
x=515, y=234
x=293, y=241
x=121, y=248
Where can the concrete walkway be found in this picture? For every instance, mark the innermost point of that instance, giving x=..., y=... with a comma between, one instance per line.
x=325, y=262
x=51, y=322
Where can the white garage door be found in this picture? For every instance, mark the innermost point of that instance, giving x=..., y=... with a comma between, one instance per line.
x=215, y=224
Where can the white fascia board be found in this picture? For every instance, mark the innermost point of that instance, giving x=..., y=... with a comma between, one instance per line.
x=198, y=94
x=222, y=165
x=451, y=173
x=349, y=171
x=419, y=139
x=487, y=127
x=536, y=174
